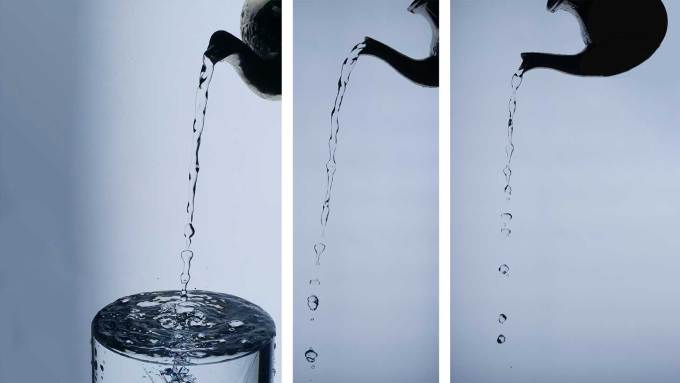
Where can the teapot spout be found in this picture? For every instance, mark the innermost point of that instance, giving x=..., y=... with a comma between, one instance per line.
x=423, y=72
x=263, y=77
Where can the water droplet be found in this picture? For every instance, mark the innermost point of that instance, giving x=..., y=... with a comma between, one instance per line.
x=506, y=218
x=313, y=302
x=500, y=339
x=504, y=269
x=311, y=355
x=517, y=79
x=502, y=318
x=319, y=249
x=315, y=282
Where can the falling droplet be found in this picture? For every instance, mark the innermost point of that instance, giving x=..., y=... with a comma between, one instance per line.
x=500, y=339
x=313, y=302
x=319, y=249
x=502, y=318
x=311, y=355
x=506, y=218
x=504, y=269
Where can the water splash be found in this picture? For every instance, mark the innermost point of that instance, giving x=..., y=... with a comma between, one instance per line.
x=200, y=107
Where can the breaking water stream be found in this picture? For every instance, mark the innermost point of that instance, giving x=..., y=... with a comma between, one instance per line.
x=320, y=247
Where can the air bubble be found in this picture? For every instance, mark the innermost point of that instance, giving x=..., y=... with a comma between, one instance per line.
x=502, y=318
x=500, y=339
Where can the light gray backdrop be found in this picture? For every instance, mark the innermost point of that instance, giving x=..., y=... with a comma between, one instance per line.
x=595, y=251
x=96, y=105
x=377, y=318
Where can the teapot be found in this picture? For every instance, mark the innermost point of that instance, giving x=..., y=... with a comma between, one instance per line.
x=424, y=71
x=257, y=57
x=619, y=35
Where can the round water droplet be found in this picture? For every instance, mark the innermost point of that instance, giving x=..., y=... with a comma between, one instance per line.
x=504, y=269
x=500, y=339
x=311, y=355
x=313, y=302
x=502, y=318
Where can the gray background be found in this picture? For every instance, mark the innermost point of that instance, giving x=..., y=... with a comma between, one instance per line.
x=96, y=104
x=377, y=319
x=594, y=260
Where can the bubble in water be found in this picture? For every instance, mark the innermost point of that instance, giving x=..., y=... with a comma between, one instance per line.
x=311, y=355
x=500, y=339
x=504, y=269
x=313, y=302
x=502, y=318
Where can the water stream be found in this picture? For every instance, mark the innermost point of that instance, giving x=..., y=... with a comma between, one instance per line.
x=201, y=104
x=506, y=216
x=320, y=246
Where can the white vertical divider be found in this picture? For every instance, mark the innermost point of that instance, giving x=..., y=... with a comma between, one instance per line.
x=286, y=329
x=445, y=128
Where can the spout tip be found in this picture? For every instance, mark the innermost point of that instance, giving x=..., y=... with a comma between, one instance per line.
x=553, y=5
x=221, y=45
x=415, y=5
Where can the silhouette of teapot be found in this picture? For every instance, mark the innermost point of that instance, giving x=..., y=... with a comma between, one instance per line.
x=619, y=35
x=257, y=59
x=425, y=71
